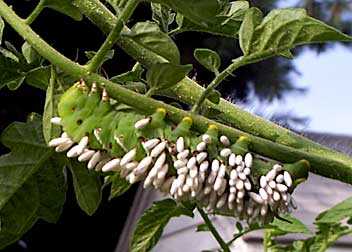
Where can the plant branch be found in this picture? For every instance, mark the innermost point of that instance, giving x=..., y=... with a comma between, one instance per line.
x=123, y=17
x=213, y=230
x=244, y=232
x=320, y=162
x=35, y=13
x=217, y=80
x=188, y=91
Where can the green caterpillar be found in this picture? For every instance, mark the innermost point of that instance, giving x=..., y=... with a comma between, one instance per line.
x=207, y=168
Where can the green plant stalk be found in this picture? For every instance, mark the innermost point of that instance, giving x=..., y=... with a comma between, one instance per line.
x=188, y=91
x=217, y=80
x=125, y=14
x=35, y=13
x=98, y=14
x=321, y=164
x=238, y=235
x=213, y=230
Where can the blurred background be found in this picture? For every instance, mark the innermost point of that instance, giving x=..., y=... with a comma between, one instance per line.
x=310, y=93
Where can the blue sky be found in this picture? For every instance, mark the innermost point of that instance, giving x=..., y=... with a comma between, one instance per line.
x=328, y=80
x=328, y=100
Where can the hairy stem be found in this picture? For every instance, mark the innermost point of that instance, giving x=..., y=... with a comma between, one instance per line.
x=217, y=80
x=213, y=230
x=35, y=13
x=125, y=14
x=320, y=162
x=188, y=91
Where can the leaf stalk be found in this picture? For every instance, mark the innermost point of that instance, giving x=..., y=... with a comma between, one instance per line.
x=35, y=13
x=123, y=17
x=213, y=230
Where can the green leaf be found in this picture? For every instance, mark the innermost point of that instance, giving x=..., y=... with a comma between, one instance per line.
x=162, y=16
x=208, y=58
x=53, y=93
x=291, y=225
x=65, y=7
x=252, y=19
x=30, y=54
x=196, y=10
x=87, y=186
x=337, y=213
x=41, y=196
x=118, y=185
x=10, y=47
x=282, y=30
x=226, y=23
x=11, y=70
x=135, y=75
x=28, y=154
x=2, y=26
x=148, y=35
x=19, y=213
x=325, y=237
x=32, y=183
x=15, y=83
x=52, y=186
x=16, y=68
x=166, y=75
x=150, y=226
x=202, y=228
x=38, y=77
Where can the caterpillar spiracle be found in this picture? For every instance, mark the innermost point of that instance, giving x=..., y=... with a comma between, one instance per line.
x=212, y=170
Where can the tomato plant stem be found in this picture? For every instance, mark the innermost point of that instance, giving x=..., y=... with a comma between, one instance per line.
x=326, y=163
x=213, y=230
x=35, y=13
x=123, y=16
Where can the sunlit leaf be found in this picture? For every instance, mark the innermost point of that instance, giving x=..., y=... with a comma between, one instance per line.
x=337, y=213
x=282, y=30
x=226, y=23
x=196, y=10
x=208, y=58
x=148, y=35
x=288, y=225
x=163, y=16
x=165, y=75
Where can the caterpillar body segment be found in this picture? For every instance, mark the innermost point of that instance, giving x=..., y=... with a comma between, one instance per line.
x=208, y=167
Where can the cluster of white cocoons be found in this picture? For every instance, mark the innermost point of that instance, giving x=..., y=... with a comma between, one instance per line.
x=220, y=184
